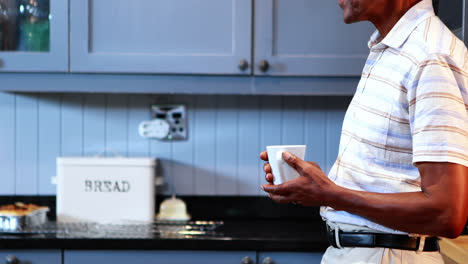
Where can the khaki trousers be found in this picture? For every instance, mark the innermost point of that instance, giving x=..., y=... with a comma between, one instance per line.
x=375, y=255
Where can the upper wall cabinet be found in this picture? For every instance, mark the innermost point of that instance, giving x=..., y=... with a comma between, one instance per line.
x=160, y=36
x=33, y=35
x=307, y=38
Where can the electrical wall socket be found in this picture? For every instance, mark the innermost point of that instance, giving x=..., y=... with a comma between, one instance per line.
x=175, y=115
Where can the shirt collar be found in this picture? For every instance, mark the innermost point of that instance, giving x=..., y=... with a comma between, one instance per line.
x=403, y=28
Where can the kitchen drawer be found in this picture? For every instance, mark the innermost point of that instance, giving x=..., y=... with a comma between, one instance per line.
x=32, y=256
x=156, y=257
x=289, y=258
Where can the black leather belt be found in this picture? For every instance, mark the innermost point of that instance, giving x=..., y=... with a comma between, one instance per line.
x=363, y=239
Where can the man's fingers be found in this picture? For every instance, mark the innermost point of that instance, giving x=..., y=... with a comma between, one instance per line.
x=281, y=199
x=314, y=164
x=295, y=162
x=264, y=156
x=267, y=168
x=269, y=178
x=275, y=189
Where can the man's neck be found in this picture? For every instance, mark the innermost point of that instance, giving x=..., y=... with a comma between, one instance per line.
x=391, y=15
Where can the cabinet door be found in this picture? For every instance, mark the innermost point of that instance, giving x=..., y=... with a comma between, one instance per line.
x=156, y=257
x=308, y=38
x=289, y=258
x=33, y=36
x=160, y=36
x=465, y=23
x=31, y=256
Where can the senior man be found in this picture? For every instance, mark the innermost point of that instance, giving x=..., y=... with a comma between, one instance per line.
x=401, y=176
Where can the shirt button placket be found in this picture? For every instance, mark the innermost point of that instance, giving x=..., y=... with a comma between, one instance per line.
x=375, y=56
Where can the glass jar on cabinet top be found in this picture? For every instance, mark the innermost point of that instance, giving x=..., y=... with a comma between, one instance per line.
x=25, y=25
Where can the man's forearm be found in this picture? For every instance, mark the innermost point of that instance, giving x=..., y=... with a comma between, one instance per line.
x=440, y=208
x=414, y=212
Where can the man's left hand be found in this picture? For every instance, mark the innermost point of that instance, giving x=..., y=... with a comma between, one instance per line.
x=311, y=188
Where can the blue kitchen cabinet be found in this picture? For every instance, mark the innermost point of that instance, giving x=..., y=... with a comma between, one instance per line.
x=31, y=256
x=34, y=36
x=158, y=257
x=465, y=24
x=159, y=36
x=307, y=38
x=289, y=258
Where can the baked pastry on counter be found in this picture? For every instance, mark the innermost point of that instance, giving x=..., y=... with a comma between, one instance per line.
x=19, y=209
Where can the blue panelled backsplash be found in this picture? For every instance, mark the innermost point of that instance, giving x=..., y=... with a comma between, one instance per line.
x=220, y=157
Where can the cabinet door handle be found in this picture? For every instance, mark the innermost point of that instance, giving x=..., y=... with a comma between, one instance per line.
x=243, y=65
x=11, y=259
x=268, y=260
x=246, y=260
x=263, y=65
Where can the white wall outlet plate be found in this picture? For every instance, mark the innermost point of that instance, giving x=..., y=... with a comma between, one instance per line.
x=176, y=117
x=156, y=128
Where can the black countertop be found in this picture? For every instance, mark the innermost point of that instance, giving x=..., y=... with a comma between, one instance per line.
x=249, y=223
x=259, y=235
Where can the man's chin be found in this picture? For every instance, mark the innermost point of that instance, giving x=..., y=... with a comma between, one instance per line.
x=350, y=19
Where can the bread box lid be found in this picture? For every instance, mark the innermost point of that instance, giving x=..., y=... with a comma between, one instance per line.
x=106, y=161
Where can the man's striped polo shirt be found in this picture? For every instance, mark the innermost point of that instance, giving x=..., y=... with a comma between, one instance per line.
x=410, y=106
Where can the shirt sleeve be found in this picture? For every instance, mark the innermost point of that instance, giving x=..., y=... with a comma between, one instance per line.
x=438, y=112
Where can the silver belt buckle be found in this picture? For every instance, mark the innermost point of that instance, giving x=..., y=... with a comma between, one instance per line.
x=337, y=237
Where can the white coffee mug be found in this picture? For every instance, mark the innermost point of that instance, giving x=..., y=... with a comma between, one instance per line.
x=282, y=172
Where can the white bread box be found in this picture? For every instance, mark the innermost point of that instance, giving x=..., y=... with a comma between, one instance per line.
x=105, y=190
